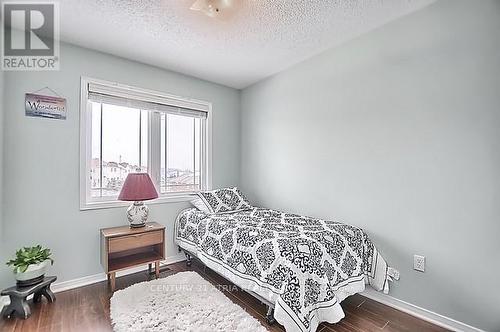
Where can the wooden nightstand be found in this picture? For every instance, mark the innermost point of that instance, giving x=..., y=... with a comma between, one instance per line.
x=124, y=247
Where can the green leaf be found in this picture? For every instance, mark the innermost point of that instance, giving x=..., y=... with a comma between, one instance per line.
x=27, y=256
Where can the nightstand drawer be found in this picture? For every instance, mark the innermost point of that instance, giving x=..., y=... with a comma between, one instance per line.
x=135, y=241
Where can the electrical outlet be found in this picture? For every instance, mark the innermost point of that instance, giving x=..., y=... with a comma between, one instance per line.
x=419, y=263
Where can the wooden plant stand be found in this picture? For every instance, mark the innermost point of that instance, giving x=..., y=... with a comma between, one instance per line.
x=18, y=305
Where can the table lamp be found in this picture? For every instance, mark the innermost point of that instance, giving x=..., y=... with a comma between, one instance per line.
x=138, y=188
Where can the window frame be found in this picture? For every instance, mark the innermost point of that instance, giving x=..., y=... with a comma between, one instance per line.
x=154, y=143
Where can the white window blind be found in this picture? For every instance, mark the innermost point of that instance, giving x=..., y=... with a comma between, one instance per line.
x=136, y=99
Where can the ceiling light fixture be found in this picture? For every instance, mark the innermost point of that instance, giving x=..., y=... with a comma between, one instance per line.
x=212, y=8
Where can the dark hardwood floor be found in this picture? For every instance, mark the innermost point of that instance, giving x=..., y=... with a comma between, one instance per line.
x=87, y=309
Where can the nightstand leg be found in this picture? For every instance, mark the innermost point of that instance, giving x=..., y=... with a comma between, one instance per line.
x=150, y=268
x=113, y=281
x=157, y=269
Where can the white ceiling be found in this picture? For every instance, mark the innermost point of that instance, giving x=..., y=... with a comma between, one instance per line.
x=260, y=38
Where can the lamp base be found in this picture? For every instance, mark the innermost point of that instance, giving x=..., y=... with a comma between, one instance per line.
x=138, y=225
x=137, y=214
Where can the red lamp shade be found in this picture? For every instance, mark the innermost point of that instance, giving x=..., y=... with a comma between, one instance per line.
x=138, y=187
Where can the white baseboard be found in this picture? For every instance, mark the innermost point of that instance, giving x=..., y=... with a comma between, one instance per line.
x=370, y=293
x=4, y=300
x=92, y=279
x=416, y=311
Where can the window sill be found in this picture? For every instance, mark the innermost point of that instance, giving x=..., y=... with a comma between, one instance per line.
x=96, y=205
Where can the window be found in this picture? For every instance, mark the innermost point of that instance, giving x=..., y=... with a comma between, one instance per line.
x=126, y=129
x=180, y=153
x=119, y=145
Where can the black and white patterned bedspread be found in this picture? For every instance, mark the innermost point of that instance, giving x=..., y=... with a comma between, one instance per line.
x=305, y=266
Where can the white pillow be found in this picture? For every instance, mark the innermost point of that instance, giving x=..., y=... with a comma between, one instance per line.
x=224, y=200
x=200, y=205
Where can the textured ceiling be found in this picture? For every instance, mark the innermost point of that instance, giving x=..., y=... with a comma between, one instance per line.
x=258, y=38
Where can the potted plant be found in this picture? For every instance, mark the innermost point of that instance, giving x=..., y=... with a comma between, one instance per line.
x=30, y=264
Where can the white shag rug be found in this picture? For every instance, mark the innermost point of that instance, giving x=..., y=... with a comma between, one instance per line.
x=181, y=302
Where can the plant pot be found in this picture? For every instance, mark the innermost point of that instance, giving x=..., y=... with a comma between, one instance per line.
x=34, y=271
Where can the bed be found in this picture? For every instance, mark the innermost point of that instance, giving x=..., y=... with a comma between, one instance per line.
x=302, y=267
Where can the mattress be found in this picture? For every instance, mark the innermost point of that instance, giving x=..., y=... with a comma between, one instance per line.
x=305, y=266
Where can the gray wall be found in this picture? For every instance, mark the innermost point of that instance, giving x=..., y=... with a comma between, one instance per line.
x=41, y=159
x=1, y=159
x=398, y=132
